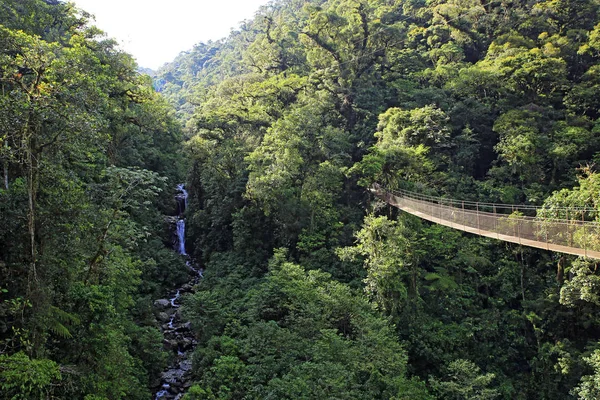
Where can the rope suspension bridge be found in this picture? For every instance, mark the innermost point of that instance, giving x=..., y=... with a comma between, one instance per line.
x=563, y=230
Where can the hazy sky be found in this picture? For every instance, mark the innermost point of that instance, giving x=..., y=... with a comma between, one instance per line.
x=155, y=31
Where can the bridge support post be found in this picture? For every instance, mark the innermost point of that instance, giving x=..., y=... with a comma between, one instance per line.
x=432, y=213
x=496, y=223
x=478, y=227
x=569, y=234
x=584, y=238
x=515, y=228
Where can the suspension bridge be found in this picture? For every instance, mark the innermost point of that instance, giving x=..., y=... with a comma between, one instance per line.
x=563, y=230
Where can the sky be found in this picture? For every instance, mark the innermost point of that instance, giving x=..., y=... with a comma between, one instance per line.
x=156, y=31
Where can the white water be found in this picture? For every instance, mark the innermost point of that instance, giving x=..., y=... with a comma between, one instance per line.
x=174, y=299
x=181, y=188
x=176, y=373
x=181, y=237
x=181, y=207
x=199, y=271
x=171, y=326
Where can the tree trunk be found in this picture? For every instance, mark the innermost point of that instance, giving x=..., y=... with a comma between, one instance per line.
x=560, y=270
x=6, y=174
x=6, y=167
x=31, y=214
x=31, y=163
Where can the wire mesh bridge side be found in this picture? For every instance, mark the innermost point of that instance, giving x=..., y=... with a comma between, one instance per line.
x=503, y=222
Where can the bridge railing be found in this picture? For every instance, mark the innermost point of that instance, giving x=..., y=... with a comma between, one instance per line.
x=561, y=229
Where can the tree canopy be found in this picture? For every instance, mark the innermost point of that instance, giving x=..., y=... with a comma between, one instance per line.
x=312, y=287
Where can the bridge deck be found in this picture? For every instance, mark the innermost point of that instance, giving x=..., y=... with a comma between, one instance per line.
x=488, y=224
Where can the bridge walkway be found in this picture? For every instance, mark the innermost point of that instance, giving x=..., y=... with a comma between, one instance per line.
x=564, y=235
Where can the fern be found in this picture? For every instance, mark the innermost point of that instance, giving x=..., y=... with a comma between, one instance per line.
x=57, y=321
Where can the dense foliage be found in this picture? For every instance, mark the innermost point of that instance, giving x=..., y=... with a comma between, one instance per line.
x=87, y=153
x=313, y=289
x=294, y=115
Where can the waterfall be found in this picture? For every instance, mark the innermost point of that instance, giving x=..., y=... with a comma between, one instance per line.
x=178, y=335
x=182, y=198
x=181, y=207
x=181, y=237
x=185, y=197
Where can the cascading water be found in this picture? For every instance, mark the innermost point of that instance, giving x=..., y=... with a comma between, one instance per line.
x=181, y=237
x=181, y=207
x=181, y=199
x=174, y=299
x=178, y=335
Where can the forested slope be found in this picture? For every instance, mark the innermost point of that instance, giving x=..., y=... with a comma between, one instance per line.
x=315, y=290
x=89, y=156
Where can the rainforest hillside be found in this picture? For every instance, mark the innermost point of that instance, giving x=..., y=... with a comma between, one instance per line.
x=316, y=290
x=89, y=154
x=313, y=288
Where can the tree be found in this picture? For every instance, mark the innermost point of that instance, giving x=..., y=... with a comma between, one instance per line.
x=465, y=383
x=589, y=388
x=392, y=262
x=74, y=231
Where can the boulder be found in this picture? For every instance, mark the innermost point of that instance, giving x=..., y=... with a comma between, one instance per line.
x=163, y=317
x=162, y=303
x=184, y=327
x=186, y=288
x=185, y=343
x=170, y=344
x=170, y=311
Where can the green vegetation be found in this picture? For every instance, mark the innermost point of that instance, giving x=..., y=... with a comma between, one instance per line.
x=295, y=114
x=87, y=152
x=313, y=289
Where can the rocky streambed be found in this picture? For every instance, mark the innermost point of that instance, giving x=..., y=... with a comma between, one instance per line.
x=178, y=336
x=178, y=339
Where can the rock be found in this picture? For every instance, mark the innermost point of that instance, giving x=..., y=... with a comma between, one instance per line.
x=170, y=219
x=170, y=344
x=186, y=343
x=186, y=365
x=184, y=327
x=162, y=303
x=173, y=375
x=186, y=288
x=163, y=317
x=170, y=311
x=171, y=331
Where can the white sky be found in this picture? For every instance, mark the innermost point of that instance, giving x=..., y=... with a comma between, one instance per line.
x=156, y=31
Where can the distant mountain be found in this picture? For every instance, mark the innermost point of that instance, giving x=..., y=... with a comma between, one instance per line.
x=147, y=71
x=190, y=69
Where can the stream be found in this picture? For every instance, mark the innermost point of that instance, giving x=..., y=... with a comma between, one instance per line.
x=178, y=337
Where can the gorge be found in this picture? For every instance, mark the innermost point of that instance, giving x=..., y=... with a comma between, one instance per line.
x=275, y=272
x=179, y=340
